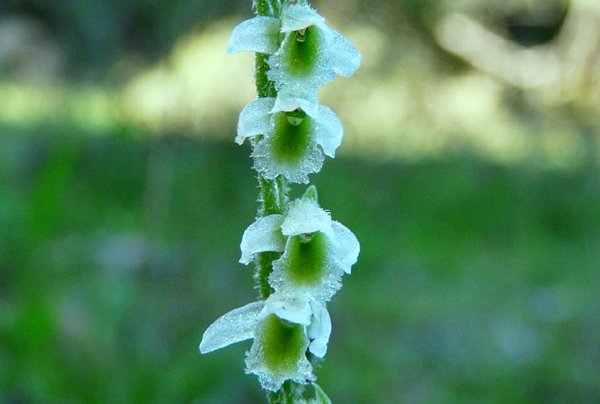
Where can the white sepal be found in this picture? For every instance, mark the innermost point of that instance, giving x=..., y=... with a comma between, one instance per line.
x=304, y=216
x=329, y=131
x=344, y=57
x=258, y=34
x=346, y=248
x=255, y=119
x=297, y=16
x=294, y=310
x=319, y=329
x=289, y=99
x=262, y=235
x=235, y=326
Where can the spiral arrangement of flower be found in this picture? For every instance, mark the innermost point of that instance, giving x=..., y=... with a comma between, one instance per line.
x=300, y=253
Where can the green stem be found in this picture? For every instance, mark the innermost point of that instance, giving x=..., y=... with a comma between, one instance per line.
x=271, y=8
x=273, y=193
x=287, y=394
x=273, y=198
x=264, y=86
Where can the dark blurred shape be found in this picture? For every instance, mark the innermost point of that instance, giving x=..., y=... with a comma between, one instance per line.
x=538, y=24
x=28, y=51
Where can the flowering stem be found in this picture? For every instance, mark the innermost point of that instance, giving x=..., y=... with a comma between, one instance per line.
x=274, y=198
x=265, y=87
x=273, y=195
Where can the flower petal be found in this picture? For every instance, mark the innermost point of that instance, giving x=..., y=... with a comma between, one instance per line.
x=304, y=216
x=262, y=235
x=329, y=131
x=290, y=99
x=344, y=58
x=235, y=326
x=346, y=248
x=255, y=119
x=319, y=330
x=299, y=16
x=258, y=34
x=294, y=310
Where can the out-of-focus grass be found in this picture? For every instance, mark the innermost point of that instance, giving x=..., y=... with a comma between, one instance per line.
x=476, y=282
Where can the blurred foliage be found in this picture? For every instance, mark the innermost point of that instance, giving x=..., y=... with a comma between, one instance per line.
x=477, y=281
x=97, y=33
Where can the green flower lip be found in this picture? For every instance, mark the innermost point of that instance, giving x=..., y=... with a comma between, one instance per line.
x=291, y=143
x=291, y=139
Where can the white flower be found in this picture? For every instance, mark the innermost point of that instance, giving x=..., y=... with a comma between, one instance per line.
x=309, y=57
x=316, y=250
x=283, y=328
x=289, y=143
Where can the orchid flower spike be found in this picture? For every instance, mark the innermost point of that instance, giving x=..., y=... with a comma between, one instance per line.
x=289, y=143
x=317, y=251
x=283, y=327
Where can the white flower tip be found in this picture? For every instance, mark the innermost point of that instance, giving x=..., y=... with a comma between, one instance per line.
x=347, y=246
x=318, y=349
x=319, y=330
x=299, y=16
x=204, y=347
x=345, y=57
x=239, y=139
x=255, y=119
x=235, y=326
x=305, y=216
x=330, y=131
x=294, y=310
x=288, y=103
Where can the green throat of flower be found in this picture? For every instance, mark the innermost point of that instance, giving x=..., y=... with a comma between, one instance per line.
x=307, y=257
x=284, y=344
x=302, y=49
x=292, y=137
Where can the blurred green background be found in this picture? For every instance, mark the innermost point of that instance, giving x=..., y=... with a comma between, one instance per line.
x=469, y=173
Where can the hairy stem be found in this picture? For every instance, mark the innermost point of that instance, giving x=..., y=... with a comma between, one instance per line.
x=273, y=193
x=273, y=198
